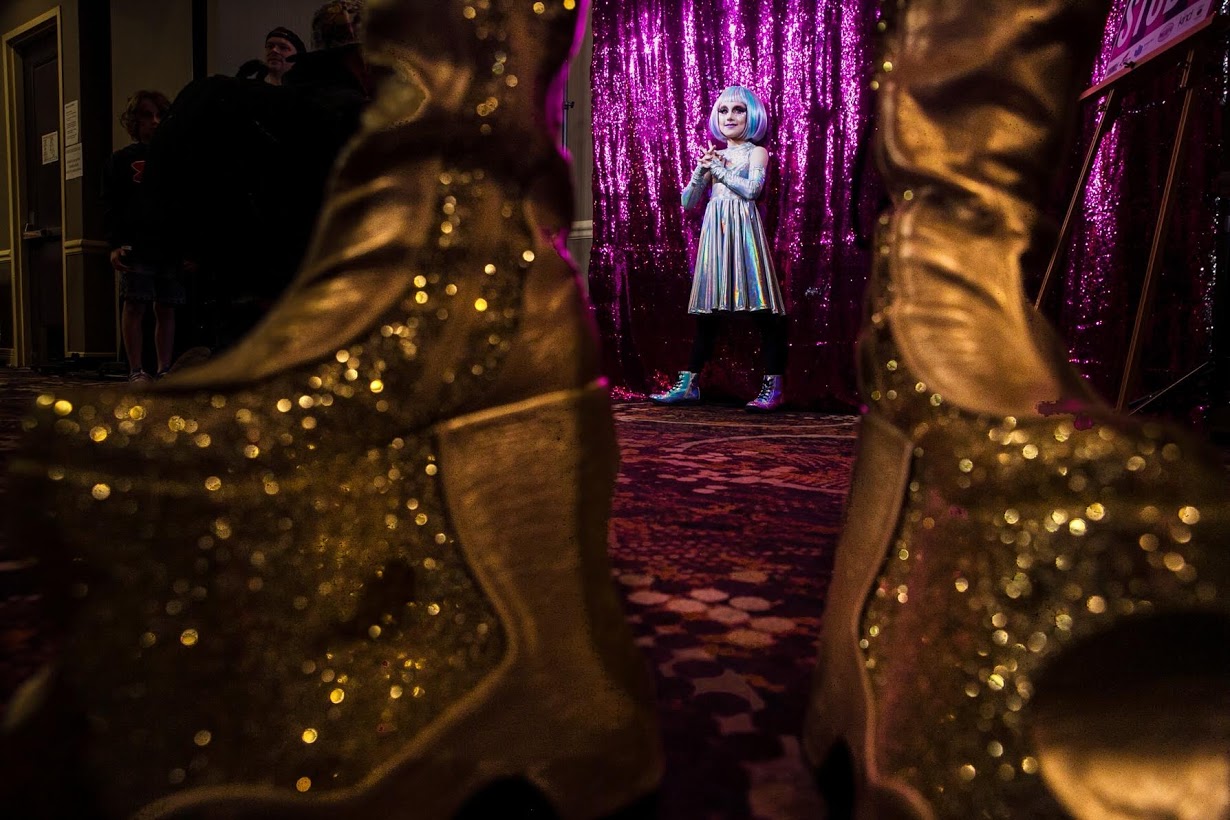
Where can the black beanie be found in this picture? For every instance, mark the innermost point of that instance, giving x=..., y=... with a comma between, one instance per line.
x=290, y=37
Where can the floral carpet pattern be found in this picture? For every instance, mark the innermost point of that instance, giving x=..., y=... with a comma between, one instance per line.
x=722, y=538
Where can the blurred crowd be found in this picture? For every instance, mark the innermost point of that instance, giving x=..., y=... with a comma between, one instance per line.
x=210, y=209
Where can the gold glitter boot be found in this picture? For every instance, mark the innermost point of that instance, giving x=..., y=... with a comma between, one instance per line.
x=356, y=567
x=1028, y=614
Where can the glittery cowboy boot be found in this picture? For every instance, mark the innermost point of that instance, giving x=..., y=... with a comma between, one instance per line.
x=356, y=567
x=1012, y=580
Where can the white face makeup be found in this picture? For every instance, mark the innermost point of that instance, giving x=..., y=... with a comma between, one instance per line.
x=732, y=119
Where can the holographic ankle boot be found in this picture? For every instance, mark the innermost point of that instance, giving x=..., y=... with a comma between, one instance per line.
x=684, y=391
x=1029, y=609
x=356, y=567
x=769, y=398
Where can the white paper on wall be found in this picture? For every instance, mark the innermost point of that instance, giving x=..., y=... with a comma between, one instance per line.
x=72, y=123
x=51, y=147
x=73, y=165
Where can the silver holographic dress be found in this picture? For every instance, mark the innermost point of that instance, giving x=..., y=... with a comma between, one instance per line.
x=734, y=266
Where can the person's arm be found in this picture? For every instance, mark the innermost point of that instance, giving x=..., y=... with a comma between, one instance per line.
x=110, y=195
x=693, y=193
x=750, y=187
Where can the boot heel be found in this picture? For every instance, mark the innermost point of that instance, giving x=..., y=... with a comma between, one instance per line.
x=840, y=707
x=570, y=708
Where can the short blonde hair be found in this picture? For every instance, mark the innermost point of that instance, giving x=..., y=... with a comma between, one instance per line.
x=128, y=117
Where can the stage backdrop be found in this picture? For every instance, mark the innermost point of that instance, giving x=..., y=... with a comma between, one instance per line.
x=1107, y=254
x=658, y=67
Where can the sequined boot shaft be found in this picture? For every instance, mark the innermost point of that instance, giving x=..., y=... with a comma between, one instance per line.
x=307, y=578
x=992, y=536
x=972, y=119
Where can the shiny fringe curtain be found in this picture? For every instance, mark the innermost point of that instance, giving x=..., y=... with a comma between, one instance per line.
x=658, y=66
x=1102, y=272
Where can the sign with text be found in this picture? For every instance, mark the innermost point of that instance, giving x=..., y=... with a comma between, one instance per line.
x=72, y=122
x=74, y=167
x=51, y=147
x=1152, y=26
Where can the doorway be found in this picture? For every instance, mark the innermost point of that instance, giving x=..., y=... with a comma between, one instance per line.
x=36, y=300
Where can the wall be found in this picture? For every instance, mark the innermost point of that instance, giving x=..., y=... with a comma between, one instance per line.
x=237, y=28
x=14, y=13
x=581, y=147
x=151, y=47
x=85, y=67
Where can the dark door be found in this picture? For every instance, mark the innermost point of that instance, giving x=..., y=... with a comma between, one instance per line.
x=42, y=251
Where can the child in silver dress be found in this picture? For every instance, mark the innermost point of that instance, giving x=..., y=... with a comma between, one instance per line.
x=734, y=266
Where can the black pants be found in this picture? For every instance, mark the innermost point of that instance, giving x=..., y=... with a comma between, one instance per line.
x=772, y=329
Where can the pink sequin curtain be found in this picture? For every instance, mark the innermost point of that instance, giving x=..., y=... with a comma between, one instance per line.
x=1094, y=305
x=658, y=66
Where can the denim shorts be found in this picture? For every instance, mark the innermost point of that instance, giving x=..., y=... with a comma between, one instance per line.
x=149, y=283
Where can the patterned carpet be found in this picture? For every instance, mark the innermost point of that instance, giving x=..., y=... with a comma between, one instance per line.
x=723, y=533
x=722, y=539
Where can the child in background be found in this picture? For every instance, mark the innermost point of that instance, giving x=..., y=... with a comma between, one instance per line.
x=734, y=267
x=146, y=276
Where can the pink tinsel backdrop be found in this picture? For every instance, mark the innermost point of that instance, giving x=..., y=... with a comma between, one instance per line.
x=658, y=65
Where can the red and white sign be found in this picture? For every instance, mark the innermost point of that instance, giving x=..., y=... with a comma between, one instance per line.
x=1152, y=26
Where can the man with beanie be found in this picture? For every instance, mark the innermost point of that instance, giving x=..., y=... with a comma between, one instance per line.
x=282, y=46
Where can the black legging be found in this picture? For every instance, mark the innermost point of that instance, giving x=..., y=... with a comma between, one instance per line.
x=772, y=329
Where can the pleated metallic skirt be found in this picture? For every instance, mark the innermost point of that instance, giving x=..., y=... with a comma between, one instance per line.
x=734, y=265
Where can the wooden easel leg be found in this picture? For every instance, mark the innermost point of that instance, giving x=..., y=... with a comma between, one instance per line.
x=1078, y=193
x=1130, y=374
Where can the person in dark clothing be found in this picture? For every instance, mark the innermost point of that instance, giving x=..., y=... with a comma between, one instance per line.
x=282, y=48
x=146, y=275
x=337, y=59
x=242, y=169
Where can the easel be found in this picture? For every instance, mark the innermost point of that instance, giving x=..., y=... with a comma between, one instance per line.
x=1106, y=111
